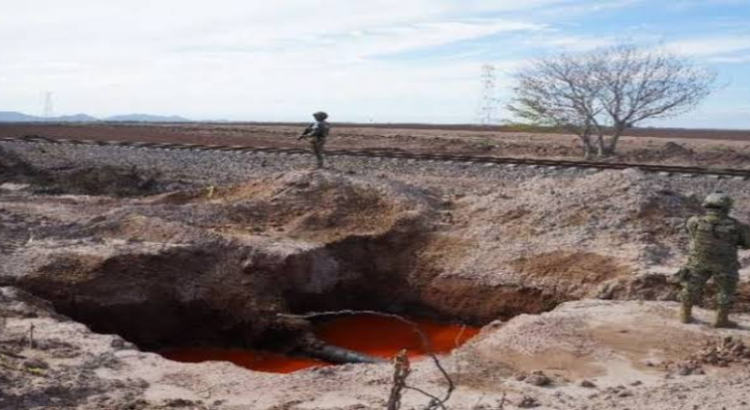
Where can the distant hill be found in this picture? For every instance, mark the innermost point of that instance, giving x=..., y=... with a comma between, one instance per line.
x=76, y=118
x=146, y=118
x=12, y=116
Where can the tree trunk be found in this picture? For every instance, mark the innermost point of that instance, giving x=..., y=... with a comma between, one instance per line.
x=611, y=147
x=600, y=146
x=588, y=148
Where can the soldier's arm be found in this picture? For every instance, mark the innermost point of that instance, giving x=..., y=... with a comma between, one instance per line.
x=307, y=131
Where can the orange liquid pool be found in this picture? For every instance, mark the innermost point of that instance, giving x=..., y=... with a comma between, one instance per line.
x=373, y=335
x=249, y=359
x=385, y=337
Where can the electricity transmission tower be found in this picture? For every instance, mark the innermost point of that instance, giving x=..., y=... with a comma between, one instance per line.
x=488, y=100
x=49, y=109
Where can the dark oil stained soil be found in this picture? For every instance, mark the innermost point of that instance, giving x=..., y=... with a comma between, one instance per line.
x=373, y=335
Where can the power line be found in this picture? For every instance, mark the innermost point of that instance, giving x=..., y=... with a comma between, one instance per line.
x=488, y=100
x=49, y=109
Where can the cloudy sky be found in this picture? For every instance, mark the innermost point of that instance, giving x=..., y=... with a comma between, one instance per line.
x=361, y=60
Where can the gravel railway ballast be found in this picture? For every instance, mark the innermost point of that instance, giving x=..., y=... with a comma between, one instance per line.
x=665, y=170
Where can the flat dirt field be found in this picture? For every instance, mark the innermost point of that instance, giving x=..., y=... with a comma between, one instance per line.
x=709, y=148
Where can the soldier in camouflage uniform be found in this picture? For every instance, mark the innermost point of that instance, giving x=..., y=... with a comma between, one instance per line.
x=715, y=238
x=318, y=132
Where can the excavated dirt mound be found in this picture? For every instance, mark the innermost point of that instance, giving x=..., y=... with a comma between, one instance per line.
x=583, y=267
x=595, y=212
x=545, y=241
x=309, y=206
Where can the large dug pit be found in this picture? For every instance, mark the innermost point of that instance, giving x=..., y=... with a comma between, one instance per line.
x=232, y=300
x=220, y=268
x=223, y=267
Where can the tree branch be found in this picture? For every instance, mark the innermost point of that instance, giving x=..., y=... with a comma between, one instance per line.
x=424, y=340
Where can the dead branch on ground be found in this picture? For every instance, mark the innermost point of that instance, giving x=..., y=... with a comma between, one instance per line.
x=402, y=369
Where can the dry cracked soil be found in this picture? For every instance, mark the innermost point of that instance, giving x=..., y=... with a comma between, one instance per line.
x=571, y=280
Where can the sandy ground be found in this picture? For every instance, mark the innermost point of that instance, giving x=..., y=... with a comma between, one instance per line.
x=583, y=355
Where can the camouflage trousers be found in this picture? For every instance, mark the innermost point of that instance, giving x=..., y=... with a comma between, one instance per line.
x=694, y=281
x=317, y=147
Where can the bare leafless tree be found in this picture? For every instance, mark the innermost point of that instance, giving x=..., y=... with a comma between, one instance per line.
x=557, y=92
x=604, y=92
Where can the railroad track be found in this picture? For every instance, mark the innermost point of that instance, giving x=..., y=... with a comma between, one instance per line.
x=665, y=170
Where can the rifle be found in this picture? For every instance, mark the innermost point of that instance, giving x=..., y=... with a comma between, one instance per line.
x=305, y=133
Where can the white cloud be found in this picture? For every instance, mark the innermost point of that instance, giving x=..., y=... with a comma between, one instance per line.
x=710, y=46
x=737, y=59
x=556, y=41
x=355, y=45
x=689, y=5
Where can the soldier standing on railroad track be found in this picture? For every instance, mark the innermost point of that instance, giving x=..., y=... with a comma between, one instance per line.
x=318, y=132
x=715, y=238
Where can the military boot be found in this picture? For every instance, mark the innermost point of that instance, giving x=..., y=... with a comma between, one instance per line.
x=722, y=319
x=686, y=313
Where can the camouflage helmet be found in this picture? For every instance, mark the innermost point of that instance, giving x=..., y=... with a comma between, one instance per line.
x=320, y=116
x=718, y=200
